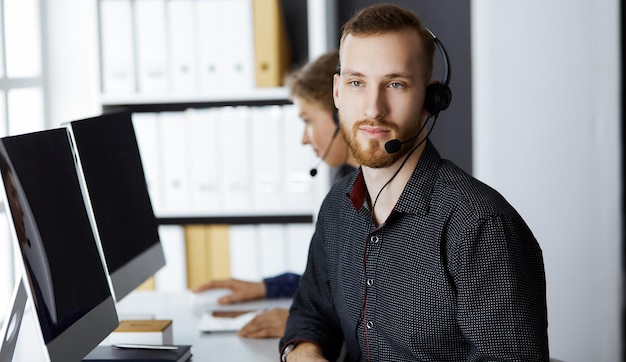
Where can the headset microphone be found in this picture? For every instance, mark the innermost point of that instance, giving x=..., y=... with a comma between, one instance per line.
x=394, y=145
x=313, y=171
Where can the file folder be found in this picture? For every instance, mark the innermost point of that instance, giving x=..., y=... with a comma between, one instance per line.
x=116, y=47
x=272, y=49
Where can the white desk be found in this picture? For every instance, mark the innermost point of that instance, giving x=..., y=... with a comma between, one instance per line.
x=179, y=307
x=224, y=346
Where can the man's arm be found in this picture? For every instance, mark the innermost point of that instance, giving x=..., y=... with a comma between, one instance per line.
x=312, y=316
x=498, y=268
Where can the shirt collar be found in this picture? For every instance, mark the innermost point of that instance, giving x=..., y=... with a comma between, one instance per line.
x=416, y=195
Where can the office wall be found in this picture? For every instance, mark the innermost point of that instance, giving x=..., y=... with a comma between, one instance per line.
x=546, y=128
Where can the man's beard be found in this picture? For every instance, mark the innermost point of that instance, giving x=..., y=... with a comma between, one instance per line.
x=373, y=154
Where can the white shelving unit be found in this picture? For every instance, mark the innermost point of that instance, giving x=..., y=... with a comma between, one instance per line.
x=321, y=22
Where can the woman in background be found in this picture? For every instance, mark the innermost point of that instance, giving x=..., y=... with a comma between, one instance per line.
x=311, y=91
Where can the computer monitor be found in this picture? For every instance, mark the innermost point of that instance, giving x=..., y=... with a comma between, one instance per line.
x=116, y=187
x=62, y=267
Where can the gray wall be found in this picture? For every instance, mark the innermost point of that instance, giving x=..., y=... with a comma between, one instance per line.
x=547, y=136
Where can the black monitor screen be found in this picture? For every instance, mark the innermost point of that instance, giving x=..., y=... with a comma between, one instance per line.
x=117, y=189
x=56, y=239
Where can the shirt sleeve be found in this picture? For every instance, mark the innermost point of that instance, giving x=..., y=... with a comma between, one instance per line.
x=312, y=316
x=498, y=270
x=281, y=286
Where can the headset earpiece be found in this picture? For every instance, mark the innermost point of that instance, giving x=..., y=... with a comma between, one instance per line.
x=437, y=99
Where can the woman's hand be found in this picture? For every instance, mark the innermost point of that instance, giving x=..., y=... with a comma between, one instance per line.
x=242, y=291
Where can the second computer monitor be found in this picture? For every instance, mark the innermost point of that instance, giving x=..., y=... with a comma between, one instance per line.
x=116, y=187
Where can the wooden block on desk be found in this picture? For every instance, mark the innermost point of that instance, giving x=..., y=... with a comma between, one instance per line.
x=153, y=331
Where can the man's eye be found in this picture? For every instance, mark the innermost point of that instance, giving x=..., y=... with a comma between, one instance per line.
x=356, y=83
x=396, y=85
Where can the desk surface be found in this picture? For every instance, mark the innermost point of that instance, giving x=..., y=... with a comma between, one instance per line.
x=222, y=346
x=179, y=307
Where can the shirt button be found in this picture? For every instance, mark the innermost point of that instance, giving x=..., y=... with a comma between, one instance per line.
x=370, y=282
x=370, y=325
x=374, y=239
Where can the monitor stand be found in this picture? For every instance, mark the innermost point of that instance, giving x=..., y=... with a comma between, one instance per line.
x=12, y=323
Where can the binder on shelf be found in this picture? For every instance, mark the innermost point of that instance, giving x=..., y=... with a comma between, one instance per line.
x=181, y=35
x=210, y=46
x=267, y=135
x=272, y=50
x=151, y=50
x=297, y=241
x=235, y=157
x=271, y=239
x=298, y=160
x=116, y=47
x=173, y=276
x=238, y=52
x=174, y=162
x=207, y=250
x=146, y=127
x=204, y=159
x=244, y=261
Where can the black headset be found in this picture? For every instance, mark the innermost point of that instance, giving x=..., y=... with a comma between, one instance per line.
x=439, y=95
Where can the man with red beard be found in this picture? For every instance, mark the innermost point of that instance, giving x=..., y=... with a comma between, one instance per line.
x=412, y=259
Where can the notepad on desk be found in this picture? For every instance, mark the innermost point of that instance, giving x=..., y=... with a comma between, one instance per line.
x=216, y=317
x=226, y=321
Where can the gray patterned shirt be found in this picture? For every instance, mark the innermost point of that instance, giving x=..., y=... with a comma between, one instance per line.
x=454, y=274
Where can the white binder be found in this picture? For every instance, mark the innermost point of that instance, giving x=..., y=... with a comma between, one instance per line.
x=117, y=53
x=181, y=35
x=267, y=149
x=174, y=163
x=204, y=164
x=146, y=127
x=210, y=46
x=173, y=276
x=297, y=241
x=244, y=246
x=271, y=239
x=235, y=156
x=298, y=161
x=151, y=46
x=238, y=51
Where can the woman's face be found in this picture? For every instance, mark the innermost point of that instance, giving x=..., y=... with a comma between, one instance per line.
x=319, y=128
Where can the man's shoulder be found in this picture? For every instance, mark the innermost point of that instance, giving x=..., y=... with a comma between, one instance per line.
x=469, y=194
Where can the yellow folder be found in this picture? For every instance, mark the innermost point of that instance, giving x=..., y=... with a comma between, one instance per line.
x=272, y=51
x=207, y=253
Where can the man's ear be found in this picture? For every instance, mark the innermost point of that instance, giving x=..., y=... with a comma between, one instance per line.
x=336, y=78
